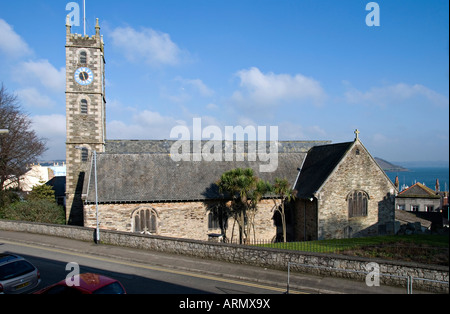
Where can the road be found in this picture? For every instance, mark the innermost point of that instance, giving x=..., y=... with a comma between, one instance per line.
x=149, y=272
x=137, y=278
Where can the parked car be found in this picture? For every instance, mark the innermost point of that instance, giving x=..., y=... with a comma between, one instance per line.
x=17, y=275
x=89, y=283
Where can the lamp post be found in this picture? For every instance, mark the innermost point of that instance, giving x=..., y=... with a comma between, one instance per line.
x=94, y=156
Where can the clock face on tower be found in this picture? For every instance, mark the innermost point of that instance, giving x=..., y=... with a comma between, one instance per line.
x=84, y=76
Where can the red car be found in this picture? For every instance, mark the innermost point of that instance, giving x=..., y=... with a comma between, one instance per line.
x=88, y=284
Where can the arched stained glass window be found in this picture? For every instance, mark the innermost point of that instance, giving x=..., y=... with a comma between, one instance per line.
x=213, y=221
x=357, y=204
x=145, y=221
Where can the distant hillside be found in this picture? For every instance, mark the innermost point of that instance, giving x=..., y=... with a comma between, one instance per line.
x=388, y=167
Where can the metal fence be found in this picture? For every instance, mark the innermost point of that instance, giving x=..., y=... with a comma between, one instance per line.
x=368, y=276
x=348, y=247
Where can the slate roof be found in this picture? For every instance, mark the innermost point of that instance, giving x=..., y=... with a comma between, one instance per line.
x=163, y=146
x=318, y=165
x=58, y=184
x=418, y=190
x=406, y=217
x=155, y=177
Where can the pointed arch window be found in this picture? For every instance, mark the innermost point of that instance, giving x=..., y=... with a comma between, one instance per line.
x=145, y=221
x=357, y=204
x=213, y=221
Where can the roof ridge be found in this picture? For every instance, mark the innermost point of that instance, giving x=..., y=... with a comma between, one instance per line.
x=428, y=190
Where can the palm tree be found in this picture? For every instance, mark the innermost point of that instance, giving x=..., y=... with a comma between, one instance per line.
x=285, y=194
x=261, y=189
x=240, y=185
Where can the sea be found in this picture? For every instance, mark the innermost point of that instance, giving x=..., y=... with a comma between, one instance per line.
x=424, y=175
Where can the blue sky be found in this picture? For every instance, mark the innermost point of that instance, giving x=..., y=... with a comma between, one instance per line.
x=311, y=67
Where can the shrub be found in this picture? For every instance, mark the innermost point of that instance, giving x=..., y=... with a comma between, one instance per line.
x=36, y=210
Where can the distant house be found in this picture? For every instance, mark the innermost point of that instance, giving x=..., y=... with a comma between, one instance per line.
x=418, y=198
x=342, y=193
x=36, y=175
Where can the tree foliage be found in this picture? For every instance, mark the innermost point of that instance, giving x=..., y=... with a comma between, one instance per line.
x=245, y=191
x=284, y=195
x=42, y=192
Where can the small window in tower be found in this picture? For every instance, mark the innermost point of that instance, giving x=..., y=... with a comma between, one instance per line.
x=84, y=155
x=83, y=57
x=84, y=106
x=357, y=152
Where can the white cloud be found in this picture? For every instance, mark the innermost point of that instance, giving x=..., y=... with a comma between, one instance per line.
x=212, y=106
x=290, y=131
x=259, y=89
x=152, y=47
x=393, y=94
x=196, y=85
x=53, y=129
x=182, y=90
x=144, y=125
x=42, y=72
x=32, y=98
x=11, y=43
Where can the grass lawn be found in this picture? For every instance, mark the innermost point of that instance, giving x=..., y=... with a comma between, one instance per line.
x=428, y=249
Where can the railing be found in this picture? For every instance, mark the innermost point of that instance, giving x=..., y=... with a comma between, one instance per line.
x=343, y=246
x=371, y=277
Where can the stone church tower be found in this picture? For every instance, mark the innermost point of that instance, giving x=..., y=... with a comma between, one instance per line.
x=85, y=113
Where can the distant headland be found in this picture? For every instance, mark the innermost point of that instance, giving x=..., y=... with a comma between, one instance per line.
x=389, y=167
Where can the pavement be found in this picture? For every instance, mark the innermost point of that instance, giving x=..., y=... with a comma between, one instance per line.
x=298, y=282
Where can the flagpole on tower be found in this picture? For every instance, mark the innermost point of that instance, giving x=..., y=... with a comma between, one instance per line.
x=84, y=17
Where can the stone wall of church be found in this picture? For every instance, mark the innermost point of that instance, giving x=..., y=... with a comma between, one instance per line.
x=356, y=172
x=188, y=220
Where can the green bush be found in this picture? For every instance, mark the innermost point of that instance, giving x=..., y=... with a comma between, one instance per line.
x=36, y=210
x=8, y=197
x=42, y=192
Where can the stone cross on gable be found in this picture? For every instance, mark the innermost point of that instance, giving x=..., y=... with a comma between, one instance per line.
x=357, y=133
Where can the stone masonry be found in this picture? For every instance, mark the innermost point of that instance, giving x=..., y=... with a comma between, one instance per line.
x=327, y=211
x=188, y=220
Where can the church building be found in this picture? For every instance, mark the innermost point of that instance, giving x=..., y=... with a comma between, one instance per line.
x=139, y=187
x=342, y=192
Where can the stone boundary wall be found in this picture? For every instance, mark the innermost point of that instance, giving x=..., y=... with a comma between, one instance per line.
x=392, y=272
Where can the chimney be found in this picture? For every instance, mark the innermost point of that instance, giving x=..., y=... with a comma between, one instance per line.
x=437, y=186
